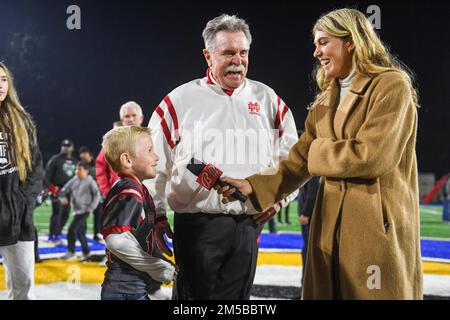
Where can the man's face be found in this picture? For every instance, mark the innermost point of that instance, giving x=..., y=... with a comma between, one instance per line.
x=67, y=149
x=131, y=117
x=145, y=159
x=229, y=61
x=86, y=157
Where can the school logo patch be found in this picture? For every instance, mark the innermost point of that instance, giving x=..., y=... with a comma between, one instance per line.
x=254, y=108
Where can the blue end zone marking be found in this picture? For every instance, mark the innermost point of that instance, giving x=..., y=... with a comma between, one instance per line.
x=286, y=241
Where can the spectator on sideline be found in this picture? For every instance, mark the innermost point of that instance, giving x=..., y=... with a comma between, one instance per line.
x=130, y=115
x=286, y=215
x=86, y=155
x=21, y=174
x=60, y=169
x=84, y=198
x=446, y=211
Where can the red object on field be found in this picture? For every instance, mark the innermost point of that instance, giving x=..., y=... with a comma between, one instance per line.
x=435, y=189
x=54, y=190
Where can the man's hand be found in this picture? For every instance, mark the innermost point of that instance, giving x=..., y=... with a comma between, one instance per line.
x=64, y=201
x=162, y=227
x=265, y=216
x=304, y=220
x=241, y=184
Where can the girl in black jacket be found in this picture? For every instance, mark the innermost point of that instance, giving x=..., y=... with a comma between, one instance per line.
x=21, y=176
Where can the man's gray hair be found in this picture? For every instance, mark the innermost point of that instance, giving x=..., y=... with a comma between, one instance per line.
x=224, y=22
x=130, y=104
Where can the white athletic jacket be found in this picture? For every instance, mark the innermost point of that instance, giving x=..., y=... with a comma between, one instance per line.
x=242, y=132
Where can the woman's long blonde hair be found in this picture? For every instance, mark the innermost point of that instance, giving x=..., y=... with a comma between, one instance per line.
x=370, y=56
x=17, y=122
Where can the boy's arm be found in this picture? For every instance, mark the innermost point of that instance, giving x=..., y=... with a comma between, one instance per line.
x=125, y=247
x=95, y=196
x=67, y=188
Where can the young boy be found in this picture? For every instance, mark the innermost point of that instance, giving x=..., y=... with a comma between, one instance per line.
x=129, y=216
x=85, y=197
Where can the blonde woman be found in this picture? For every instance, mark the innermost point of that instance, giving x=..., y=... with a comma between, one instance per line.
x=360, y=136
x=21, y=176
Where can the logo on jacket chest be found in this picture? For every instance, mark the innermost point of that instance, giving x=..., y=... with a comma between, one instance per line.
x=4, y=151
x=69, y=168
x=254, y=108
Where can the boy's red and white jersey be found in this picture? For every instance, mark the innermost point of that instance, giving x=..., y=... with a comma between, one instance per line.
x=242, y=132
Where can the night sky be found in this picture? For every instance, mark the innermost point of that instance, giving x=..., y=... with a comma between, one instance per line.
x=74, y=81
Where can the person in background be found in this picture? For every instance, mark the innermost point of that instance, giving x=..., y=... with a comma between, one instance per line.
x=272, y=226
x=85, y=197
x=86, y=156
x=446, y=211
x=21, y=175
x=60, y=169
x=130, y=115
x=286, y=215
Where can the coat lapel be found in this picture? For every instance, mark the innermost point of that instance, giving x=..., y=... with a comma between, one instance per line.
x=325, y=111
x=348, y=102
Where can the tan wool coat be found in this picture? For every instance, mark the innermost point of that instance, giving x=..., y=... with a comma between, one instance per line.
x=364, y=237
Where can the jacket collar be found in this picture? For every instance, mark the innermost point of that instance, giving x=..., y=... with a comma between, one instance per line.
x=333, y=118
x=129, y=176
x=212, y=82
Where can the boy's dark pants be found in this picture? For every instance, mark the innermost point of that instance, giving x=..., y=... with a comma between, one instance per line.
x=77, y=229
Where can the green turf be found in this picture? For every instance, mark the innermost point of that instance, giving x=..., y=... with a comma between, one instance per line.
x=431, y=221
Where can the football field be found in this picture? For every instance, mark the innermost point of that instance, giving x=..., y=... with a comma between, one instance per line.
x=431, y=226
x=278, y=274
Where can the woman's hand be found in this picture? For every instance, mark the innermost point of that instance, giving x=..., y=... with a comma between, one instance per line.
x=304, y=220
x=240, y=184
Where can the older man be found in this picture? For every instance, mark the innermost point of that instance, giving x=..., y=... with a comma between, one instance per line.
x=236, y=124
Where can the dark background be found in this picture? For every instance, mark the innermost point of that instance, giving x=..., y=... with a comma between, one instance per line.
x=74, y=81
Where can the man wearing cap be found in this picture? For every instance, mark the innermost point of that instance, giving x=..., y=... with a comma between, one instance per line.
x=60, y=168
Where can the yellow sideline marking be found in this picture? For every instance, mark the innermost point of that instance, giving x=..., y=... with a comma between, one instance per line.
x=50, y=271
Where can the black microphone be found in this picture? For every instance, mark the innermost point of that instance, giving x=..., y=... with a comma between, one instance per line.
x=209, y=176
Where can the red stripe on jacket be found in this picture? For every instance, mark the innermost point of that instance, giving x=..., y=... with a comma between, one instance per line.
x=278, y=116
x=165, y=128
x=172, y=112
